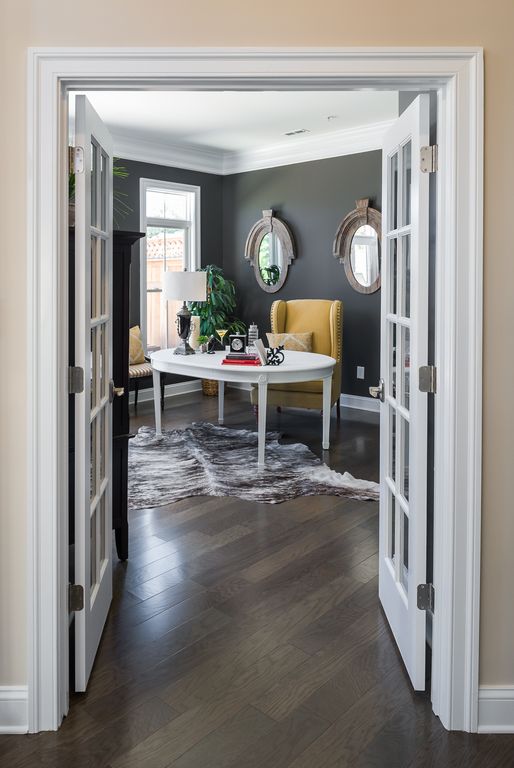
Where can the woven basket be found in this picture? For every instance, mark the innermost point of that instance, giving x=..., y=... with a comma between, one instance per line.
x=210, y=387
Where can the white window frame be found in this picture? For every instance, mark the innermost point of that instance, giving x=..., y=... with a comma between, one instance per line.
x=192, y=225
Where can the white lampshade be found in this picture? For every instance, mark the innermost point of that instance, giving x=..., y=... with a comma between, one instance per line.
x=185, y=286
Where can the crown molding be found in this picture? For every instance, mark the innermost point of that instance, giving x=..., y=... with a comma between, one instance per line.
x=302, y=149
x=188, y=156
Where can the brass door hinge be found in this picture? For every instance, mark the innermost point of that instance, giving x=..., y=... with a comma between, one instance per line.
x=75, y=597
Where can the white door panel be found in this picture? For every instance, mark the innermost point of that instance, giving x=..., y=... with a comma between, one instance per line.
x=93, y=421
x=403, y=412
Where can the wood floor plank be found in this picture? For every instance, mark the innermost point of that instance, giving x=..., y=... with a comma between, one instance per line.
x=247, y=635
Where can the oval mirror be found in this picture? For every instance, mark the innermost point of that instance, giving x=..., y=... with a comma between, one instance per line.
x=270, y=259
x=364, y=256
x=270, y=250
x=357, y=246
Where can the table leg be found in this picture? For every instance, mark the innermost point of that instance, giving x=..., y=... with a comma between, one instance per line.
x=221, y=402
x=327, y=391
x=157, y=401
x=263, y=398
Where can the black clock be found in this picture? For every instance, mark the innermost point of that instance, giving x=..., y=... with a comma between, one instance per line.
x=237, y=342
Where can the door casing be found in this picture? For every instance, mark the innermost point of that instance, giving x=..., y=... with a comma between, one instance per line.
x=457, y=75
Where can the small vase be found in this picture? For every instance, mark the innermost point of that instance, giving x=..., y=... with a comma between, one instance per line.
x=195, y=332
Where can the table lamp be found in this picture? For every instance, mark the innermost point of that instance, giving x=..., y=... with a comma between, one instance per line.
x=184, y=286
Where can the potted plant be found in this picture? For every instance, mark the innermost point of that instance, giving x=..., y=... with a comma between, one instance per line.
x=217, y=312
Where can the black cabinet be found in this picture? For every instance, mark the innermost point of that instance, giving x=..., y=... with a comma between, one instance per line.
x=121, y=257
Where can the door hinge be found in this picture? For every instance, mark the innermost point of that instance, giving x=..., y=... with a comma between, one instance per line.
x=428, y=159
x=426, y=597
x=75, y=380
x=75, y=597
x=428, y=379
x=76, y=159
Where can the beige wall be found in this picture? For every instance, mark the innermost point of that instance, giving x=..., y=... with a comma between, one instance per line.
x=298, y=23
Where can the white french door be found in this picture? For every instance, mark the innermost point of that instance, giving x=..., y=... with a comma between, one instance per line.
x=93, y=409
x=403, y=411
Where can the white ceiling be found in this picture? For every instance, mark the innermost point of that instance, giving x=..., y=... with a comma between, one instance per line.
x=238, y=121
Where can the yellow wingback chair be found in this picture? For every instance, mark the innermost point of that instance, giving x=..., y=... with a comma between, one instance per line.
x=325, y=320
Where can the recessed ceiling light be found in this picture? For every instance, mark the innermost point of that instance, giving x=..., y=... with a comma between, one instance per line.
x=295, y=133
x=332, y=117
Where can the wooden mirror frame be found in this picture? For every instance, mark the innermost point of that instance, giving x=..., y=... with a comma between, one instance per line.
x=342, y=249
x=264, y=226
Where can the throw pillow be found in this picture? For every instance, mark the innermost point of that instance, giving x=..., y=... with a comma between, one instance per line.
x=136, y=351
x=296, y=342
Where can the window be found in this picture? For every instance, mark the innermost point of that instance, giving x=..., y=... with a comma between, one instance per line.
x=170, y=217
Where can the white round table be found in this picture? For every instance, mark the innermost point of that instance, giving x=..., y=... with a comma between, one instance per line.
x=297, y=366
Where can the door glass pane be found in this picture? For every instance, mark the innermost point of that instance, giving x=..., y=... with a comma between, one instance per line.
x=94, y=393
x=393, y=275
x=405, y=399
x=101, y=443
x=404, y=569
x=407, y=183
x=103, y=276
x=92, y=550
x=392, y=443
x=103, y=532
x=393, y=175
x=104, y=164
x=92, y=462
x=405, y=290
x=404, y=471
x=392, y=358
x=93, y=277
x=391, y=503
x=94, y=182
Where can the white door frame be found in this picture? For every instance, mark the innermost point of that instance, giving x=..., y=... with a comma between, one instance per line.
x=457, y=73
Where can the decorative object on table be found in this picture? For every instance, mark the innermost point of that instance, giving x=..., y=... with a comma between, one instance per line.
x=195, y=332
x=261, y=351
x=357, y=245
x=237, y=342
x=209, y=460
x=222, y=332
x=295, y=342
x=212, y=343
x=217, y=311
x=242, y=358
x=184, y=286
x=253, y=333
x=275, y=356
x=323, y=319
x=202, y=343
x=270, y=249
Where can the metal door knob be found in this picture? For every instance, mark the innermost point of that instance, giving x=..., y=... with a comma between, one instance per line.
x=378, y=391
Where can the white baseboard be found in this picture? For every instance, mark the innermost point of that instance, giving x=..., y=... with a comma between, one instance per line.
x=496, y=709
x=170, y=390
x=14, y=709
x=360, y=403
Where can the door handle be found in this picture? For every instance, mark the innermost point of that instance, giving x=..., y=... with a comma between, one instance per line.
x=378, y=391
x=115, y=391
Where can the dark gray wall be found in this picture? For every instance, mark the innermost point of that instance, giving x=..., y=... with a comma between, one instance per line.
x=312, y=198
x=210, y=205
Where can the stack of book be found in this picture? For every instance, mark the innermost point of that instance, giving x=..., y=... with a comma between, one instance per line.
x=241, y=358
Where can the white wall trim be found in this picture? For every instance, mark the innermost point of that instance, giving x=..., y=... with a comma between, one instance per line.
x=457, y=73
x=360, y=403
x=170, y=391
x=496, y=709
x=187, y=156
x=301, y=149
x=14, y=716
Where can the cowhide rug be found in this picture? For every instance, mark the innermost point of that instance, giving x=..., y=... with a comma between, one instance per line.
x=208, y=460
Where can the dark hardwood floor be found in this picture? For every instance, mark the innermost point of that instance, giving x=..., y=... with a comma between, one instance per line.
x=245, y=635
